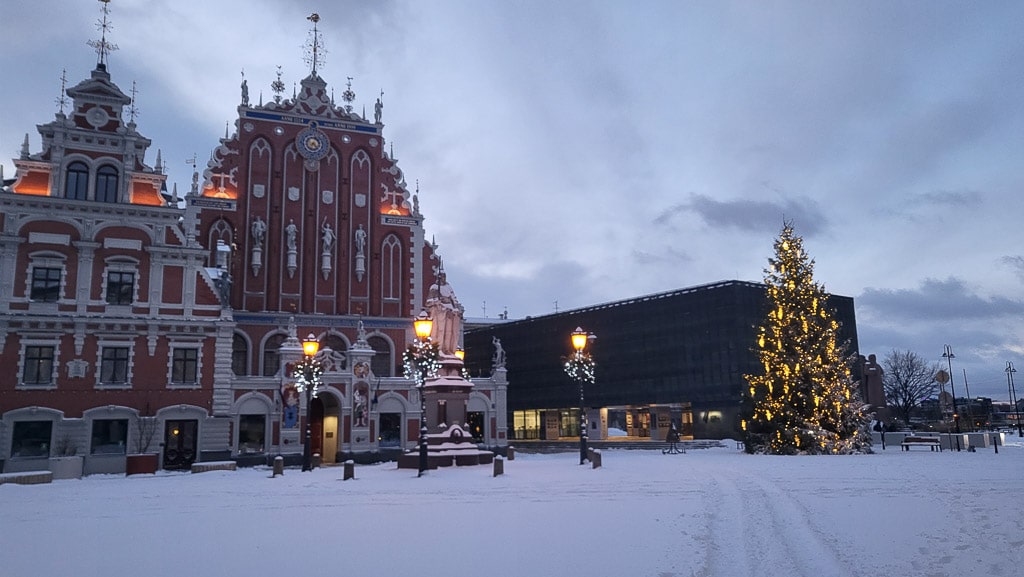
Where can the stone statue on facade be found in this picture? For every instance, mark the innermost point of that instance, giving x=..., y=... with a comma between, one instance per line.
x=498, y=360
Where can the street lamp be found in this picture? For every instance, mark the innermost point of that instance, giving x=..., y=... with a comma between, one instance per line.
x=947, y=354
x=1013, y=396
x=309, y=371
x=580, y=366
x=420, y=361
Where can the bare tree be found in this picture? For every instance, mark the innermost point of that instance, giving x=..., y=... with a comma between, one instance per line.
x=908, y=379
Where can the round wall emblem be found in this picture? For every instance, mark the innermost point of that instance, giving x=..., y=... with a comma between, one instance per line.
x=312, y=143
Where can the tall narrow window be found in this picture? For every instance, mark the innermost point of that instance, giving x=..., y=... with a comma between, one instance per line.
x=38, y=366
x=114, y=366
x=45, y=284
x=381, y=363
x=120, y=287
x=184, y=366
x=272, y=355
x=106, y=184
x=76, y=184
x=239, y=355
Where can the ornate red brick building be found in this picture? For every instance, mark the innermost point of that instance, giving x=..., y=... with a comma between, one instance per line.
x=129, y=318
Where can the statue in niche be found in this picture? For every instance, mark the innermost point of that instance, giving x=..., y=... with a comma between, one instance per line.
x=328, y=237
x=291, y=231
x=445, y=310
x=259, y=231
x=360, y=240
x=359, y=412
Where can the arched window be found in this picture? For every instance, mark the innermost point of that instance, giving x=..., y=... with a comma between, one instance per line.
x=106, y=184
x=391, y=268
x=76, y=183
x=239, y=355
x=272, y=355
x=381, y=362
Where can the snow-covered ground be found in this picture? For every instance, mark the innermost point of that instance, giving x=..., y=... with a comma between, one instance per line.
x=706, y=513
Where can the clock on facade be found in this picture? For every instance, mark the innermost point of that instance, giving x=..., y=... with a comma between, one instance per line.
x=312, y=143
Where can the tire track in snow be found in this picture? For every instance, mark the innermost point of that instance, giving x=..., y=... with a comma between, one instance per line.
x=757, y=529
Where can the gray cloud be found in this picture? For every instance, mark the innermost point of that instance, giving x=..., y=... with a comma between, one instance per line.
x=936, y=300
x=749, y=215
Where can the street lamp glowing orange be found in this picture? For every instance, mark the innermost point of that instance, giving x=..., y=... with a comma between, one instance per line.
x=579, y=339
x=423, y=325
x=460, y=353
x=310, y=346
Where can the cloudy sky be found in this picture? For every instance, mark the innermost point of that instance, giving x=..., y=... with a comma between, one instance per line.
x=578, y=152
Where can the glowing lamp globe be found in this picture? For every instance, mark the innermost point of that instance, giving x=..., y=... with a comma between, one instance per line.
x=423, y=325
x=310, y=346
x=460, y=353
x=579, y=339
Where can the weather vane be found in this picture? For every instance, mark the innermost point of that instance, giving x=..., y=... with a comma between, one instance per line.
x=62, y=100
x=348, y=96
x=104, y=25
x=315, y=46
x=277, y=86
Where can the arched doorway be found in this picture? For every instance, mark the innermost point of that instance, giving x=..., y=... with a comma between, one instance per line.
x=323, y=416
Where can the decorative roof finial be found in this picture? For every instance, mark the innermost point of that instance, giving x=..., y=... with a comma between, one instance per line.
x=24, y=147
x=62, y=100
x=348, y=96
x=132, y=109
x=102, y=47
x=195, y=173
x=277, y=86
x=159, y=162
x=315, y=45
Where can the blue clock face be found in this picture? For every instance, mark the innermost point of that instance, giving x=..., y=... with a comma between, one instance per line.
x=312, y=143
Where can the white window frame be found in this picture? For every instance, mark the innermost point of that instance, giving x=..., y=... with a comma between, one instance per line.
x=120, y=344
x=54, y=370
x=47, y=259
x=176, y=345
x=120, y=264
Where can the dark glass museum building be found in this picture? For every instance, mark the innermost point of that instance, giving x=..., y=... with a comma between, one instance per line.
x=674, y=357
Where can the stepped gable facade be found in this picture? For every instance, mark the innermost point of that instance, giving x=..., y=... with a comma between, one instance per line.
x=109, y=322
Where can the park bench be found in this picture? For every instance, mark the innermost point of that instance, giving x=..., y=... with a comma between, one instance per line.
x=930, y=442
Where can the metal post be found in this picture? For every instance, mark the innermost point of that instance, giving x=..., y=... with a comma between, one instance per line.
x=423, y=424
x=1013, y=396
x=583, y=426
x=307, y=457
x=948, y=354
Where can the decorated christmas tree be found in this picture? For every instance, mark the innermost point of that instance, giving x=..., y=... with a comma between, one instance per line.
x=804, y=400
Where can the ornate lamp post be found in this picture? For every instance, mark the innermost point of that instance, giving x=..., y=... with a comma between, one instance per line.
x=309, y=371
x=421, y=362
x=1013, y=396
x=947, y=354
x=580, y=367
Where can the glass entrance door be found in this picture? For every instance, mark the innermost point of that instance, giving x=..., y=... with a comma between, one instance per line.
x=180, y=443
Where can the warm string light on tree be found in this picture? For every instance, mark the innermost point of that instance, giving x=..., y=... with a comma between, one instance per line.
x=804, y=402
x=580, y=367
x=308, y=371
x=421, y=360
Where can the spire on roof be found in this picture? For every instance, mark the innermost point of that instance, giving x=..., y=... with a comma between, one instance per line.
x=315, y=45
x=102, y=47
x=159, y=162
x=24, y=147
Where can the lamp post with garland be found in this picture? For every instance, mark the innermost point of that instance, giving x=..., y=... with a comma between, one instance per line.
x=580, y=367
x=308, y=370
x=420, y=362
